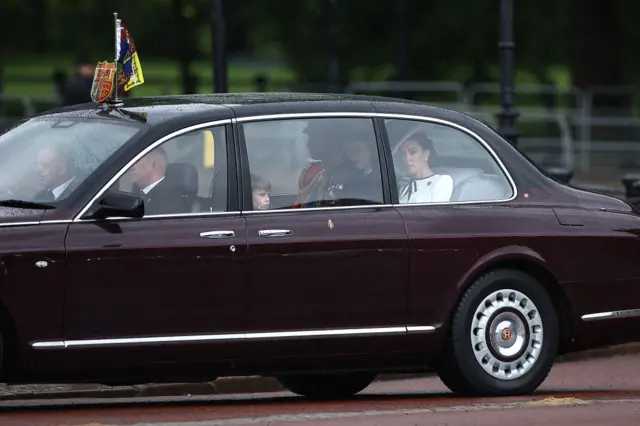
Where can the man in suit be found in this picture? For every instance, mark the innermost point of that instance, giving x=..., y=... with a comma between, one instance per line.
x=77, y=89
x=56, y=172
x=149, y=175
x=365, y=182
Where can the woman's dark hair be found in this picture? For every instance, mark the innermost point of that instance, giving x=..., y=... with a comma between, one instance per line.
x=422, y=139
x=260, y=184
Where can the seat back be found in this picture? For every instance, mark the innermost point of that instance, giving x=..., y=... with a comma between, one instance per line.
x=472, y=184
x=482, y=188
x=183, y=177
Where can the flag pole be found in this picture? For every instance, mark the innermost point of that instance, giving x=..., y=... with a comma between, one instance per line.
x=114, y=99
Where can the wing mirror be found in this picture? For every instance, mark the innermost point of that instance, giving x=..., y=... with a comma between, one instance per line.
x=118, y=204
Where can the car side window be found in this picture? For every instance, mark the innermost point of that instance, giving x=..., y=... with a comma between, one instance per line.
x=436, y=163
x=185, y=174
x=316, y=162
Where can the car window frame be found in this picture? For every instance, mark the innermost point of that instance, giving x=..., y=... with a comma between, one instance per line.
x=384, y=148
x=474, y=136
x=246, y=205
x=232, y=181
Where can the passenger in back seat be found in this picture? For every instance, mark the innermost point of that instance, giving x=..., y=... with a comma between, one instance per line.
x=260, y=192
x=425, y=186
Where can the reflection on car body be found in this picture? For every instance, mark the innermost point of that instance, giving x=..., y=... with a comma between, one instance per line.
x=291, y=246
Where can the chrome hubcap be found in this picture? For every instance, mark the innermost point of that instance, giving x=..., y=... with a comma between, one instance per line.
x=506, y=334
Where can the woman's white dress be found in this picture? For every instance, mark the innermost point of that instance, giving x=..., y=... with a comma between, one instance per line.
x=433, y=189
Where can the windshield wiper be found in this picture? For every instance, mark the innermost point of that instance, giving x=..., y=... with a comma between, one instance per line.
x=22, y=204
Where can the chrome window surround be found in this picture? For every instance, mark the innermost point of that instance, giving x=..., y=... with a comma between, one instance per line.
x=288, y=116
x=463, y=129
x=141, y=154
x=268, y=335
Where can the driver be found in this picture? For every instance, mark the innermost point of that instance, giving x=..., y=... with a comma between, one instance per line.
x=56, y=172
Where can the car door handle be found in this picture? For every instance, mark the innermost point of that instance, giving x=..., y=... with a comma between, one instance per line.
x=274, y=232
x=217, y=234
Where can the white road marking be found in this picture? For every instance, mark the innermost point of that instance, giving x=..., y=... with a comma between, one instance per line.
x=556, y=402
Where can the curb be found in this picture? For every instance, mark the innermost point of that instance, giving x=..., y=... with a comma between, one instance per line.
x=259, y=384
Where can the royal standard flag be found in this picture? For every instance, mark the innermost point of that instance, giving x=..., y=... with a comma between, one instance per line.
x=131, y=71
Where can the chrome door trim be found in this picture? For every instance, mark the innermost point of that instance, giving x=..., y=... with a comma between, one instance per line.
x=217, y=234
x=276, y=335
x=31, y=223
x=598, y=316
x=420, y=329
x=141, y=154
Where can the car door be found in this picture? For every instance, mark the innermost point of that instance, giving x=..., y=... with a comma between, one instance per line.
x=329, y=276
x=441, y=218
x=167, y=287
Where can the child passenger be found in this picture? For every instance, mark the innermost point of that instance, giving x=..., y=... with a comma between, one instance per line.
x=260, y=188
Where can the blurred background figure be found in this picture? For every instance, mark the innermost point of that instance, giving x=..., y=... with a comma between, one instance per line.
x=77, y=89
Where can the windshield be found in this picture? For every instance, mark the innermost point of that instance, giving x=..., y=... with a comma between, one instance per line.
x=45, y=159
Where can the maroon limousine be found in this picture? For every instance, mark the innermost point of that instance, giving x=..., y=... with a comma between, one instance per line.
x=320, y=239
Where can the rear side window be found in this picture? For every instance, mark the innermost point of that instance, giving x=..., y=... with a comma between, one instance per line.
x=436, y=163
x=313, y=162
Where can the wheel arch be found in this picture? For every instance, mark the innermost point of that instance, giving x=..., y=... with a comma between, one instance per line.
x=532, y=264
x=9, y=355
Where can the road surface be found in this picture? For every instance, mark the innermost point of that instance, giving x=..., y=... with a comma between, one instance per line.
x=594, y=392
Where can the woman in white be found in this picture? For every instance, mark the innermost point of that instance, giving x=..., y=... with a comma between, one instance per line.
x=425, y=185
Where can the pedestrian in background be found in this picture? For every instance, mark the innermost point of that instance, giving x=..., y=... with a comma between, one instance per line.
x=77, y=90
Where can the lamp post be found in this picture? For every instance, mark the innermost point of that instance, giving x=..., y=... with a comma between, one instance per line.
x=401, y=39
x=508, y=114
x=219, y=47
x=334, y=55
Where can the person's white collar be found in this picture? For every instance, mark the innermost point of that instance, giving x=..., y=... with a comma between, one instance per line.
x=148, y=189
x=58, y=190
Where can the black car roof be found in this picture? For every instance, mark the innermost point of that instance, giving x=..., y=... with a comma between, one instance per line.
x=157, y=109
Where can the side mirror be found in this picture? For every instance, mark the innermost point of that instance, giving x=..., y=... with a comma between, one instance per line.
x=118, y=204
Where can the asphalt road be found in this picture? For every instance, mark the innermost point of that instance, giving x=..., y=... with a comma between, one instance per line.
x=594, y=392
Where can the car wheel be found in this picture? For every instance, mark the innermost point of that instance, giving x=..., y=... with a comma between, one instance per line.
x=327, y=386
x=503, y=338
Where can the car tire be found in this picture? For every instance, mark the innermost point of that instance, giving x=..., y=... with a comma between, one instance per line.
x=503, y=338
x=327, y=386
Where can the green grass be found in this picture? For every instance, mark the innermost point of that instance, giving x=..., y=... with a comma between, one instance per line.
x=30, y=76
x=161, y=76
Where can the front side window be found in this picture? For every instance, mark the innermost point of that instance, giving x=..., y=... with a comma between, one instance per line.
x=46, y=159
x=316, y=162
x=186, y=174
x=436, y=163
